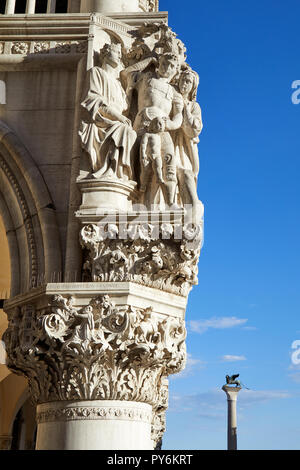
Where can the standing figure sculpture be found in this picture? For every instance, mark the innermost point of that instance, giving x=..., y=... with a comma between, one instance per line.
x=159, y=111
x=106, y=133
x=186, y=139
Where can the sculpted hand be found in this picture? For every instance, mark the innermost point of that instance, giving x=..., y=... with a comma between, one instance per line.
x=124, y=119
x=157, y=125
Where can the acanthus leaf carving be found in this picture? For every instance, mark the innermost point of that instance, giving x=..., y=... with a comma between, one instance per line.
x=99, y=351
x=164, y=263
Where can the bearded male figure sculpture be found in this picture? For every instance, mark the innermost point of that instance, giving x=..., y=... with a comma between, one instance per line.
x=106, y=133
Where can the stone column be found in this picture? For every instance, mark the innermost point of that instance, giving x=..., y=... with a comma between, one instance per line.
x=231, y=393
x=30, y=7
x=109, y=6
x=51, y=6
x=10, y=7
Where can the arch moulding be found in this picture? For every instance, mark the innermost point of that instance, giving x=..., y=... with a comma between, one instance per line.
x=28, y=214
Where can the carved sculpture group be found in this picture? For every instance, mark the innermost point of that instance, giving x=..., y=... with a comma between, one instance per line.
x=142, y=120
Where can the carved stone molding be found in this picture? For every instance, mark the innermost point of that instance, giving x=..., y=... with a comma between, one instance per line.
x=77, y=413
x=136, y=254
x=32, y=248
x=98, y=352
x=43, y=47
x=20, y=48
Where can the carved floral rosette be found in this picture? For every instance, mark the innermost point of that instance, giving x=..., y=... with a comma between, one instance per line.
x=98, y=352
x=161, y=261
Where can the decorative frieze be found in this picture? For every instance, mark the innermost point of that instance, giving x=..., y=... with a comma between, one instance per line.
x=63, y=47
x=20, y=48
x=43, y=47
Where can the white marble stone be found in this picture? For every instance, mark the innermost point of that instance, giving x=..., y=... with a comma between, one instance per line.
x=231, y=393
x=94, y=425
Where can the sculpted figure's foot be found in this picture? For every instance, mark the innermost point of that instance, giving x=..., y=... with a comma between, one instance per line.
x=110, y=173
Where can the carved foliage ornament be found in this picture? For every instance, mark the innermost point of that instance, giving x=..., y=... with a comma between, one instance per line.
x=99, y=352
x=162, y=263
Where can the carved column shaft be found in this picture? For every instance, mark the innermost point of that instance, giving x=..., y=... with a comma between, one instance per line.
x=10, y=7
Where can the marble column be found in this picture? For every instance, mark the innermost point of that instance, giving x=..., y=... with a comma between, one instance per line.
x=231, y=393
x=10, y=7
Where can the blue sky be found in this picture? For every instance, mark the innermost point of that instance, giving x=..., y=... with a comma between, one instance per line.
x=244, y=315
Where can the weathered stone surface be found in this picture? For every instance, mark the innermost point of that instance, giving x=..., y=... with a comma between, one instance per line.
x=109, y=126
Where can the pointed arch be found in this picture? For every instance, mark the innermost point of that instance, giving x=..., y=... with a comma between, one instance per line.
x=29, y=215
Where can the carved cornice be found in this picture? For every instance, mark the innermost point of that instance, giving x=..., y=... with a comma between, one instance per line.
x=43, y=47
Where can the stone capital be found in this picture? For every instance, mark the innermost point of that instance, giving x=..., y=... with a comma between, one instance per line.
x=96, y=352
x=231, y=392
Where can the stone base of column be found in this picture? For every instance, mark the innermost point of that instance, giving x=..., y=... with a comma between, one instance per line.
x=94, y=425
x=105, y=194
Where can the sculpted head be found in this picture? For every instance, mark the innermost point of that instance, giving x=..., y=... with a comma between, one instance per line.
x=167, y=66
x=188, y=84
x=111, y=54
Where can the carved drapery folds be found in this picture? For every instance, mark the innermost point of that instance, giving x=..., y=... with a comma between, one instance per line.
x=98, y=352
